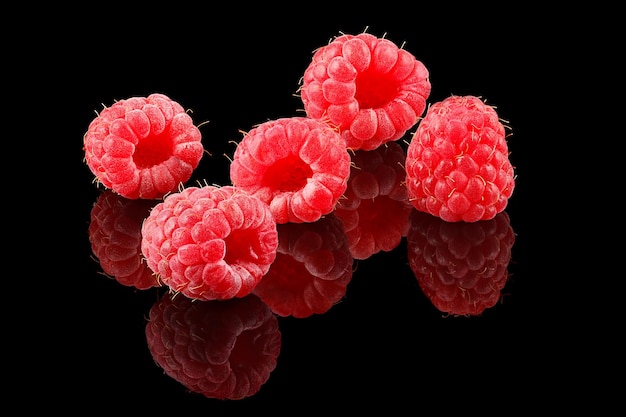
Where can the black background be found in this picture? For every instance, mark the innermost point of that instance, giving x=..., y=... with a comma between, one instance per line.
x=385, y=344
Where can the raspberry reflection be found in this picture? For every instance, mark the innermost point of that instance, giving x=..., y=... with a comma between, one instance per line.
x=375, y=207
x=223, y=349
x=461, y=267
x=115, y=237
x=312, y=269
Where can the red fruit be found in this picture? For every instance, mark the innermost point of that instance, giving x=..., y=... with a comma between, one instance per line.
x=115, y=238
x=298, y=166
x=312, y=269
x=220, y=349
x=458, y=165
x=369, y=88
x=375, y=207
x=210, y=242
x=461, y=267
x=143, y=147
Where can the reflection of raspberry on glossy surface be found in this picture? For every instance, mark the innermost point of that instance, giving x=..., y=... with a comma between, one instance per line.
x=143, y=147
x=115, y=237
x=220, y=349
x=210, y=242
x=369, y=88
x=312, y=269
x=375, y=207
x=458, y=165
x=461, y=267
x=298, y=166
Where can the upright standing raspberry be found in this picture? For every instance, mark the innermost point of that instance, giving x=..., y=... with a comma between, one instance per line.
x=225, y=350
x=210, y=242
x=369, y=88
x=143, y=147
x=458, y=165
x=296, y=165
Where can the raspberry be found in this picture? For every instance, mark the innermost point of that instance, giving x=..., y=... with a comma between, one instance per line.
x=298, y=166
x=210, y=242
x=369, y=88
x=225, y=350
x=461, y=267
x=375, y=207
x=312, y=269
x=143, y=147
x=457, y=165
x=115, y=238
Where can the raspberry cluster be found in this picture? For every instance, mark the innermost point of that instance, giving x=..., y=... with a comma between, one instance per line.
x=294, y=181
x=308, y=196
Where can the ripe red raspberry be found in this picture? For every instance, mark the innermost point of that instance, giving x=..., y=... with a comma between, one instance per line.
x=298, y=166
x=458, y=165
x=115, y=238
x=210, y=242
x=220, y=349
x=461, y=267
x=143, y=147
x=312, y=269
x=375, y=207
x=369, y=88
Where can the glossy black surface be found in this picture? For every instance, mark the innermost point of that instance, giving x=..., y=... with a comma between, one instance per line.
x=385, y=343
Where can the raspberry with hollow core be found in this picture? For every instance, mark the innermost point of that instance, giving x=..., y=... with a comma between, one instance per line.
x=367, y=87
x=210, y=242
x=143, y=147
x=296, y=165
